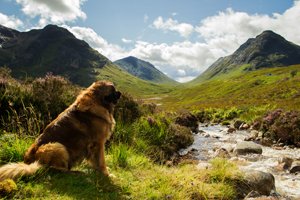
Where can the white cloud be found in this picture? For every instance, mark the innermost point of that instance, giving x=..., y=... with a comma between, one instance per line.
x=183, y=29
x=53, y=11
x=229, y=29
x=111, y=51
x=126, y=41
x=181, y=72
x=186, y=60
x=10, y=21
x=173, y=59
x=185, y=79
x=221, y=34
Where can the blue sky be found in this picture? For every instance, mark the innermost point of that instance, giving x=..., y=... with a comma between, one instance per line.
x=181, y=38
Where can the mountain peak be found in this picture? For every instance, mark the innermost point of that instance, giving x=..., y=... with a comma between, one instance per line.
x=7, y=34
x=267, y=49
x=51, y=49
x=143, y=70
x=54, y=31
x=268, y=33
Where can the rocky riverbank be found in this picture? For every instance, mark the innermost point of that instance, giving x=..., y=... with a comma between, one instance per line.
x=272, y=171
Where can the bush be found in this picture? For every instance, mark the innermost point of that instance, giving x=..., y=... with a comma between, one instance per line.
x=188, y=120
x=161, y=137
x=53, y=94
x=179, y=137
x=26, y=107
x=218, y=115
x=127, y=110
x=279, y=125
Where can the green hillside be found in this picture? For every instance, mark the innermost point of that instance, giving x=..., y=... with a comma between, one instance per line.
x=277, y=87
x=51, y=49
x=131, y=84
x=266, y=50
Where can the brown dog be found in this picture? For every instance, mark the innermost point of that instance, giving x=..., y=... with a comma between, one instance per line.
x=78, y=133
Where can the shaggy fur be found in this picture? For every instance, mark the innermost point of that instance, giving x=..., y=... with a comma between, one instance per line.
x=78, y=133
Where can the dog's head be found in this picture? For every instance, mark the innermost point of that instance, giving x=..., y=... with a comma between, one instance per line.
x=106, y=93
x=99, y=94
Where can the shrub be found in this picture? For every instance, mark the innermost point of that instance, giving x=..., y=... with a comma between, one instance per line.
x=152, y=129
x=179, y=137
x=127, y=110
x=26, y=107
x=161, y=137
x=279, y=125
x=218, y=115
x=188, y=120
x=26, y=121
x=123, y=133
x=52, y=94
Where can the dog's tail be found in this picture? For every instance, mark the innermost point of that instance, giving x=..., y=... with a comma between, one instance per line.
x=16, y=170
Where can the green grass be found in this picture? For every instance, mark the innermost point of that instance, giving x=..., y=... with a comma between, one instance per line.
x=139, y=179
x=13, y=147
x=273, y=87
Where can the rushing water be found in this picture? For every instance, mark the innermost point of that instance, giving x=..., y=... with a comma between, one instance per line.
x=213, y=137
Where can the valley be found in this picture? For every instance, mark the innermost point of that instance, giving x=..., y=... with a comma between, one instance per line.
x=43, y=70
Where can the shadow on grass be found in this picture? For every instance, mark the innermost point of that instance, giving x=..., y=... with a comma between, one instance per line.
x=78, y=185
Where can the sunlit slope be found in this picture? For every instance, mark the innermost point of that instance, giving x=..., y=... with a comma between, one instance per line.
x=131, y=84
x=279, y=86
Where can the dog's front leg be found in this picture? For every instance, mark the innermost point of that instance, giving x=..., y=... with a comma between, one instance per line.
x=102, y=163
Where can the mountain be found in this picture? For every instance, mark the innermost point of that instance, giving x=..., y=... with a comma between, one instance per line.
x=143, y=70
x=266, y=50
x=54, y=49
x=51, y=49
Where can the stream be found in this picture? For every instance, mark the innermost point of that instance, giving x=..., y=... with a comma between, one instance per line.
x=215, y=137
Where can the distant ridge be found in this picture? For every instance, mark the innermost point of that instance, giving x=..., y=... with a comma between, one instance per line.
x=143, y=70
x=267, y=50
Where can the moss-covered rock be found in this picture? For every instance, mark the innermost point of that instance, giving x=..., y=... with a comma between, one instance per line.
x=7, y=187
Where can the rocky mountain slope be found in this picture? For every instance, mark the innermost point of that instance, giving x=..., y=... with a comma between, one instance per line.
x=143, y=70
x=51, y=49
x=266, y=50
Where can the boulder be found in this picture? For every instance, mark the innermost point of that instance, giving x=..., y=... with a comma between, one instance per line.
x=255, y=182
x=237, y=124
x=253, y=135
x=295, y=168
x=285, y=162
x=245, y=147
x=231, y=130
x=244, y=126
x=256, y=125
x=7, y=187
x=221, y=153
